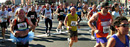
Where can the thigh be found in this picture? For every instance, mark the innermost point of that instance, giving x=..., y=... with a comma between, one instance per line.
x=103, y=44
x=60, y=22
x=50, y=21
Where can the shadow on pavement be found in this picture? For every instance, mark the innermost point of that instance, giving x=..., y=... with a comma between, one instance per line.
x=37, y=45
x=7, y=44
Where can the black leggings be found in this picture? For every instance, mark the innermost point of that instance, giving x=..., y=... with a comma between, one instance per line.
x=79, y=18
x=46, y=23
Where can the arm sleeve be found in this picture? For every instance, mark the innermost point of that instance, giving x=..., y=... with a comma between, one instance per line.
x=43, y=12
x=51, y=10
x=28, y=15
x=36, y=14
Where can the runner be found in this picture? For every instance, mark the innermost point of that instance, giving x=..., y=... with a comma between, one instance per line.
x=103, y=21
x=115, y=14
x=64, y=15
x=71, y=5
x=79, y=10
x=3, y=20
x=71, y=22
x=84, y=11
x=32, y=15
x=12, y=14
x=60, y=11
x=38, y=10
x=120, y=39
x=90, y=14
x=19, y=29
x=48, y=15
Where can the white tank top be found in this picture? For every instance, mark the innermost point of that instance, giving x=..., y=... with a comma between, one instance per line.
x=48, y=13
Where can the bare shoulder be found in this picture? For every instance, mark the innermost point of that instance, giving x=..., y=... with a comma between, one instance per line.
x=111, y=42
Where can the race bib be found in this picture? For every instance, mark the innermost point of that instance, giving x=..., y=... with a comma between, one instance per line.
x=48, y=16
x=32, y=16
x=73, y=23
x=4, y=18
x=106, y=29
x=1, y=20
x=28, y=18
x=106, y=23
x=22, y=26
x=61, y=13
x=79, y=10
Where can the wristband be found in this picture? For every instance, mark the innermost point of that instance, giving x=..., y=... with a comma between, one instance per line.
x=68, y=27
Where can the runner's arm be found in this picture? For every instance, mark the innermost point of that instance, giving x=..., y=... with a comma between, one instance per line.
x=57, y=11
x=65, y=21
x=43, y=13
x=52, y=13
x=12, y=27
x=88, y=15
x=31, y=24
x=91, y=20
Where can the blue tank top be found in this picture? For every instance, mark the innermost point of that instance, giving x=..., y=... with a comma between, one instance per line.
x=65, y=11
x=79, y=9
x=119, y=43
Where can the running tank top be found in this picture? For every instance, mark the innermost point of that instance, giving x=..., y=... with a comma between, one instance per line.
x=103, y=23
x=61, y=12
x=92, y=12
x=72, y=22
x=119, y=43
x=21, y=25
x=48, y=13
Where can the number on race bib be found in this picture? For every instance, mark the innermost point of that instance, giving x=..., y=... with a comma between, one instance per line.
x=61, y=13
x=106, y=29
x=32, y=16
x=22, y=26
x=73, y=23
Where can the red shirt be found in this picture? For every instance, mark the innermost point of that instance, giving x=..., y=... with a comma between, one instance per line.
x=102, y=22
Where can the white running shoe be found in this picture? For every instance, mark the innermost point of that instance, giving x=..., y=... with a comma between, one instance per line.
x=62, y=27
x=57, y=31
x=68, y=39
x=92, y=37
x=60, y=31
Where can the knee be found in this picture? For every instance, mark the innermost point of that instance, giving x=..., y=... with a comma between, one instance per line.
x=98, y=45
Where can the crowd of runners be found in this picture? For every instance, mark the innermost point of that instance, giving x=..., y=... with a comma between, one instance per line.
x=102, y=19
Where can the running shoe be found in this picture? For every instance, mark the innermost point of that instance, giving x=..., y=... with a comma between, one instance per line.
x=62, y=27
x=60, y=31
x=57, y=31
x=92, y=37
x=68, y=40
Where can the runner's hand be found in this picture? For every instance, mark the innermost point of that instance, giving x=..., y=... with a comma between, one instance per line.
x=69, y=28
x=97, y=31
x=15, y=34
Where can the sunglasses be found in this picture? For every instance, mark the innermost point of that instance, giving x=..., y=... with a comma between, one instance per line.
x=124, y=25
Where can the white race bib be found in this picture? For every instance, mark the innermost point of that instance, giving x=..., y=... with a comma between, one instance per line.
x=4, y=18
x=106, y=29
x=22, y=26
x=32, y=16
x=79, y=10
x=73, y=23
x=48, y=15
x=61, y=13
